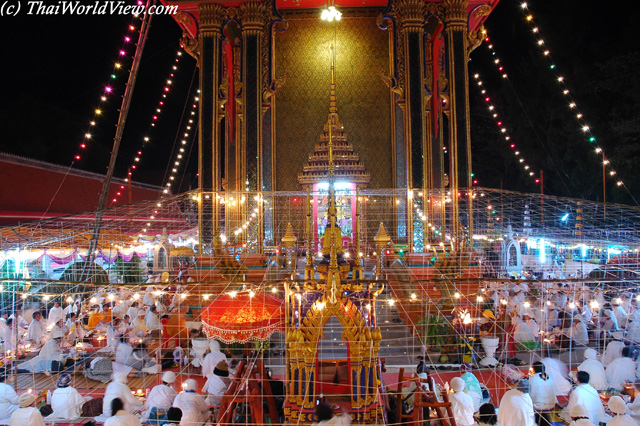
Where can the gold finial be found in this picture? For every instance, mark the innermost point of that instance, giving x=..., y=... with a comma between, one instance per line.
x=382, y=236
x=289, y=239
x=333, y=109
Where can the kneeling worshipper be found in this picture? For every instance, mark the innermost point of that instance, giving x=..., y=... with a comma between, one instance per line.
x=50, y=358
x=461, y=403
x=516, y=407
x=326, y=417
x=212, y=359
x=543, y=393
x=118, y=389
x=36, y=332
x=621, y=370
x=66, y=401
x=27, y=414
x=217, y=384
x=8, y=398
x=522, y=335
x=139, y=326
x=120, y=416
x=634, y=407
x=487, y=415
x=614, y=349
x=194, y=409
x=558, y=371
x=160, y=399
x=619, y=410
x=471, y=386
x=591, y=365
x=580, y=416
x=584, y=394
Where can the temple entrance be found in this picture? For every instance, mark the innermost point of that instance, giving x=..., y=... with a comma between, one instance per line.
x=345, y=210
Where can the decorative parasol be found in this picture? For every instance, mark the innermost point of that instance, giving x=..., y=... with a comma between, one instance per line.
x=243, y=317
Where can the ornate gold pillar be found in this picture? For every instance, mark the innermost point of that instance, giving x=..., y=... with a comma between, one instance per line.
x=456, y=43
x=209, y=158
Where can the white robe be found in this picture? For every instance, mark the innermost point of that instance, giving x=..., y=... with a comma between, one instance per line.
x=613, y=351
x=66, y=404
x=42, y=362
x=194, y=410
x=152, y=321
x=8, y=401
x=36, y=332
x=516, y=409
x=587, y=396
x=123, y=352
x=558, y=371
x=543, y=392
x=215, y=387
x=210, y=361
x=161, y=397
x=462, y=407
x=633, y=409
x=597, y=377
x=620, y=370
x=633, y=331
x=622, y=420
x=122, y=418
x=26, y=416
x=55, y=314
x=119, y=390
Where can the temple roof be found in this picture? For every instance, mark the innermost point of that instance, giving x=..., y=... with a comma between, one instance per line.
x=346, y=162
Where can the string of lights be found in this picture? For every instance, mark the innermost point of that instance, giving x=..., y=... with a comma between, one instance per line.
x=166, y=89
x=501, y=126
x=564, y=88
x=109, y=87
x=184, y=140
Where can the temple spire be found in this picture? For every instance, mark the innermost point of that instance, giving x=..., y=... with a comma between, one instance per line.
x=333, y=109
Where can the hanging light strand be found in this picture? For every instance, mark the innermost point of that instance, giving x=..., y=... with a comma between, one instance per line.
x=123, y=55
x=155, y=117
x=563, y=87
x=502, y=129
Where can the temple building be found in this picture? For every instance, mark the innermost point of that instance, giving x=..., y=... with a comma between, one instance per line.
x=402, y=91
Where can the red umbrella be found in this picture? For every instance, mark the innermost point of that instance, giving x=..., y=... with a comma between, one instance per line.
x=243, y=317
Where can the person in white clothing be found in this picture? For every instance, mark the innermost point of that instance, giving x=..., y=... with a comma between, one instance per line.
x=161, y=397
x=542, y=393
x=55, y=314
x=634, y=407
x=580, y=416
x=621, y=370
x=461, y=403
x=516, y=407
x=585, y=395
x=152, y=321
x=558, y=371
x=217, y=384
x=212, y=358
x=591, y=365
x=8, y=397
x=36, y=332
x=66, y=401
x=132, y=312
x=27, y=414
x=194, y=410
x=614, y=349
x=139, y=326
x=619, y=409
x=121, y=417
x=118, y=389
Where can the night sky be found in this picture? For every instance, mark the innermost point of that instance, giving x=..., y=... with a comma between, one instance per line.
x=55, y=69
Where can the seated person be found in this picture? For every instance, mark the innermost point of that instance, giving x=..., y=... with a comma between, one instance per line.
x=118, y=389
x=325, y=416
x=36, y=332
x=8, y=397
x=66, y=401
x=217, y=384
x=27, y=414
x=120, y=416
x=49, y=359
x=161, y=399
x=195, y=410
x=621, y=370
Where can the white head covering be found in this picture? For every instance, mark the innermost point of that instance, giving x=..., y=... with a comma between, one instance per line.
x=190, y=385
x=590, y=354
x=617, y=405
x=214, y=345
x=618, y=335
x=457, y=384
x=169, y=377
x=58, y=334
x=26, y=399
x=579, y=410
x=119, y=376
